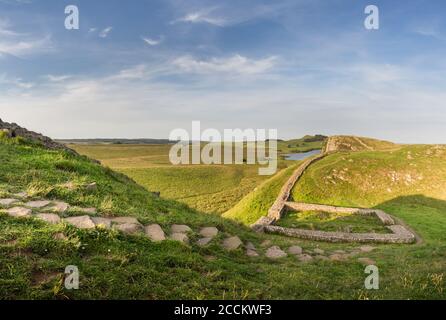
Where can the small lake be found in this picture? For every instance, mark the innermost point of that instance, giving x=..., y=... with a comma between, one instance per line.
x=301, y=155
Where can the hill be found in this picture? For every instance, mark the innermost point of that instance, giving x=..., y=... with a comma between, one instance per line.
x=352, y=143
x=114, y=265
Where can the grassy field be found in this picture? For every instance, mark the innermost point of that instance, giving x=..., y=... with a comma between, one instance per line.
x=339, y=222
x=208, y=188
x=113, y=265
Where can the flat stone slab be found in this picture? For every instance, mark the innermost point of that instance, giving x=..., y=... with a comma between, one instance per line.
x=209, y=232
x=204, y=241
x=102, y=222
x=87, y=210
x=37, y=204
x=127, y=220
x=337, y=257
x=129, y=228
x=180, y=228
x=81, y=222
x=321, y=257
x=179, y=236
x=51, y=218
x=305, y=258
x=154, y=232
x=18, y=212
x=250, y=246
x=21, y=195
x=275, y=253
x=59, y=206
x=295, y=250
x=319, y=251
x=7, y=202
x=232, y=243
x=251, y=253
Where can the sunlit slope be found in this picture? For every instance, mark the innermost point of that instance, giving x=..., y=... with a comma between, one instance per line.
x=256, y=204
x=368, y=178
x=353, y=143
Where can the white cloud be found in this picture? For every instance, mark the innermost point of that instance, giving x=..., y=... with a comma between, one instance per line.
x=25, y=47
x=60, y=78
x=235, y=64
x=16, y=82
x=136, y=72
x=152, y=42
x=104, y=33
x=203, y=16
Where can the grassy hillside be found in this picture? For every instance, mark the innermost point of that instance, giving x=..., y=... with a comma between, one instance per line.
x=208, y=188
x=304, y=144
x=256, y=204
x=352, y=143
x=369, y=178
x=113, y=265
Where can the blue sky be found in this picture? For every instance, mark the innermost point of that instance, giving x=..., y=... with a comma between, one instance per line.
x=142, y=68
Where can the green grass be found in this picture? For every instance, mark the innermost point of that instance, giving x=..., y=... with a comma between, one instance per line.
x=115, y=266
x=256, y=204
x=208, y=188
x=339, y=222
x=304, y=144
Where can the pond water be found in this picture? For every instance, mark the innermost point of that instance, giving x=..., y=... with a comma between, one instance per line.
x=301, y=155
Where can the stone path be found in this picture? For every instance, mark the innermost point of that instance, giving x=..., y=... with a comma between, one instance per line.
x=55, y=212
x=400, y=232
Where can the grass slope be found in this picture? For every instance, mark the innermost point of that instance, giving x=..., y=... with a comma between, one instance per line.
x=256, y=204
x=113, y=265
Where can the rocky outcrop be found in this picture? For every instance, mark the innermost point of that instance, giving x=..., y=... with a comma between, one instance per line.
x=14, y=130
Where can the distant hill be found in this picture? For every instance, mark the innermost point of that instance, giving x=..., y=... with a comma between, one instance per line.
x=353, y=143
x=115, y=141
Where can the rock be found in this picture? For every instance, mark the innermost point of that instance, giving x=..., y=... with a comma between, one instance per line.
x=319, y=251
x=337, y=257
x=102, y=222
x=180, y=228
x=250, y=246
x=129, y=228
x=7, y=202
x=125, y=220
x=87, y=210
x=59, y=206
x=154, y=232
x=305, y=258
x=21, y=195
x=37, y=204
x=339, y=252
x=251, y=253
x=321, y=257
x=82, y=222
x=48, y=217
x=366, y=261
x=18, y=212
x=367, y=248
x=232, y=243
x=275, y=253
x=209, y=232
x=180, y=236
x=203, y=241
x=91, y=186
x=295, y=250
x=60, y=236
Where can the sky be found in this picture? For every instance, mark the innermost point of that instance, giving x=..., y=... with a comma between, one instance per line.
x=142, y=68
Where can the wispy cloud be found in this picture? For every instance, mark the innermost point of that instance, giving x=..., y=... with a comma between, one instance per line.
x=16, y=82
x=20, y=48
x=57, y=78
x=202, y=16
x=236, y=64
x=152, y=42
x=105, y=32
